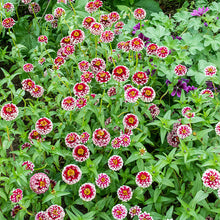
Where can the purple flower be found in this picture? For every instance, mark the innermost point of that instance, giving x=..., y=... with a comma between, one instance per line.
x=141, y=35
x=136, y=27
x=199, y=12
x=191, y=88
x=206, y=25
x=217, y=18
x=178, y=88
x=151, y=73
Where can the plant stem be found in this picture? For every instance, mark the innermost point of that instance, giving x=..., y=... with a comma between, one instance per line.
x=95, y=46
x=111, y=54
x=11, y=147
x=72, y=7
x=136, y=60
x=26, y=210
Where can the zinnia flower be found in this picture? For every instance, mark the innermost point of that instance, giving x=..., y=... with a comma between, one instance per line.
x=97, y=65
x=103, y=180
x=87, y=192
x=130, y=121
x=9, y=112
x=28, y=165
x=83, y=65
x=101, y=137
x=49, y=17
x=8, y=22
x=15, y=210
x=217, y=128
x=40, y=216
x=34, y=135
x=145, y=216
x=120, y=73
x=8, y=6
x=143, y=179
x=55, y=212
x=111, y=91
x=28, y=67
x=173, y=139
x=154, y=110
x=72, y=139
x=16, y=196
x=162, y=52
x=77, y=36
x=114, y=16
x=136, y=44
x=211, y=178
x=115, y=163
x=119, y=212
x=90, y=7
x=107, y=36
x=81, y=102
x=71, y=174
x=37, y=92
x=207, y=91
x=116, y=143
x=125, y=140
x=124, y=193
x=86, y=77
x=210, y=71
x=180, y=70
x=135, y=210
x=152, y=49
x=139, y=13
x=184, y=131
x=87, y=22
x=68, y=103
x=81, y=153
x=59, y=60
x=68, y=49
x=44, y=126
x=58, y=12
x=140, y=78
x=81, y=89
x=43, y=39
x=96, y=28
x=39, y=183
x=103, y=77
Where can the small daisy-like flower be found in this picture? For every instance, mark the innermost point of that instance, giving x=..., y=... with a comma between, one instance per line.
x=77, y=36
x=15, y=210
x=217, y=128
x=81, y=89
x=104, y=20
x=60, y=53
x=173, y=139
x=211, y=178
x=87, y=192
x=162, y=52
x=135, y=210
x=49, y=17
x=71, y=174
x=98, y=3
x=111, y=91
x=140, y=78
x=72, y=139
x=139, y=14
x=81, y=102
x=130, y=121
x=136, y=44
x=68, y=49
x=210, y=71
x=120, y=73
x=37, y=92
x=86, y=77
x=84, y=137
x=42, y=61
x=119, y=212
x=26, y=145
x=147, y=94
x=103, y=77
x=81, y=153
x=28, y=67
x=114, y=16
x=34, y=135
x=107, y=36
x=8, y=6
x=90, y=7
x=58, y=12
x=125, y=193
x=43, y=39
x=96, y=28
x=207, y=91
x=44, y=126
x=185, y=110
x=180, y=70
x=184, y=131
x=68, y=103
x=59, y=61
x=145, y=216
x=103, y=180
x=9, y=112
x=55, y=212
x=125, y=140
x=152, y=49
x=116, y=143
x=39, y=183
x=115, y=163
x=143, y=179
x=28, y=165
x=8, y=22
x=40, y=216
x=154, y=110
x=126, y=46
x=16, y=196
x=132, y=95
x=97, y=65
x=87, y=22
x=28, y=85
x=101, y=137
x=83, y=65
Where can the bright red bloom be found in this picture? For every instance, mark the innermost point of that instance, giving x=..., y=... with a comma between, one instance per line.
x=81, y=153
x=96, y=28
x=68, y=103
x=103, y=77
x=140, y=78
x=120, y=73
x=127, y=132
x=71, y=174
x=34, y=135
x=77, y=36
x=87, y=192
x=28, y=85
x=124, y=193
x=114, y=16
x=143, y=179
x=81, y=89
x=101, y=137
x=59, y=61
x=116, y=143
x=83, y=65
x=97, y=65
x=107, y=36
x=65, y=41
x=184, y=131
x=135, y=210
x=44, y=126
x=210, y=71
x=26, y=145
x=115, y=163
x=207, y=91
x=43, y=39
x=125, y=140
x=9, y=112
x=98, y=3
x=103, y=180
x=130, y=121
x=180, y=70
x=145, y=216
x=16, y=196
x=211, y=178
x=90, y=7
x=147, y=94
x=86, y=77
x=119, y=212
x=139, y=13
x=40, y=216
x=49, y=17
x=39, y=183
x=132, y=95
x=55, y=212
x=8, y=6
x=152, y=49
x=162, y=52
x=119, y=25
x=8, y=22
x=37, y=92
x=68, y=49
x=136, y=44
x=72, y=139
x=58, y=12
x=28, y=67
x=81, y=102
x=84, y=137
x=87, y=22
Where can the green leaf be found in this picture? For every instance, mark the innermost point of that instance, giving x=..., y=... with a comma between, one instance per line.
x=3, y=195
x=201, y=195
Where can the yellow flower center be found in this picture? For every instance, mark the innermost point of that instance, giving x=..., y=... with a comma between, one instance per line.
x=136, y=42
x=101, y=133
x=103, y=179
x=131, y=120
x=68, y=101
x=115, y=162
x=71, y=138
x=55, y=212
x=103, y=74
x=42, y=184
x=119, y=71
x=8, y=109
x=43, y=123
x=140, y=75
x=125, y=192
x=97, y=63
x=80, y=151
x=76, y=34
x=87, y=191
x=132, y=93
x=148, y=92
x=143, y=177
x=70, y=172
x=212, y=178
x=96, y=25
x=80, y=87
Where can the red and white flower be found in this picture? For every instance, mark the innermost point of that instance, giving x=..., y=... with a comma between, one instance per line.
x=152, y=49
x=217, y=128
x=81, y=89
x=180, y=70
x=185, y=110
x=127, y=132
x=87, y=22
x=136, y=44
x=111, y=91
x=8, y=22
x=119, y=25
x=130, y=121
x=34, y=135
x=116, y=143
x=68, y=103
x=86, y=77
x=147, y=94
x=77, y=36
x=54, y=23
x=184, y=131
x=145, y=216
x=173, y=139
x=28, y=67
x=83, y=65
x=49, y=17
x=58, y=12
x=125, y=140
x=103, y=180
x=119, y=212
x=59, y=60
x=9, y=112
x=97, y=65
x=140, y=78
x=207, y=91
x=42, y=61
x=107, y=36
x=84, y=137
x=72, y=140
x=90, y=7
x=40, y=216
x=125, y=193
x=28, y=165
x=162, y=52
x=8, y=6
x=154, y=110
x=104, y=20
x=120, y=73
x=71, y=174
x=87, y=192
x=65, y=41
x=101, y=137
x=139, y=13
x=96, y=28
x=26, y=1
x=210, y=71
x=68, y=49
x=81, y=153
x=26, y=145
x=81, y=102
x=55, y=212
x=16, y=196
x=135, y=210
x=126, y=46
x=39, y=183
x=143, y=179
x=98, y=3
x=114, y=16
x=120, y=45
x=37, y=92
x=103, y=77
x=132, y=95
x=15, y=210
x=43, y=39
x=44, y=126
x=115, y=163
x=211, y=178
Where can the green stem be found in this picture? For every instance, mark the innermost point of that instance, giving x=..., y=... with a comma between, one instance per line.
x=122, y=114
x=101, y=101
x=72, y=7
x=41, y=167
x=112, y=55
x=11, y=147
x=136, y=60
x=163, y=95
x=26, y=210
x=95, y=46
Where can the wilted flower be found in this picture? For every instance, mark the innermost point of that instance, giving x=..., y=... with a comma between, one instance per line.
x=26, y=145
x=143, y=179
x=154, y=110
x=87, y=192
x=103, y=180
x=173, y=139
x=115, y=163
x=211, y=178
x=39, y=183
x=33, y=8
x=9, y=112
x=71, y=174
x=125, y=193
x=15, y=210
x=54, y=23
x=119, y=212
x=55, y=212
x=111, y=91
